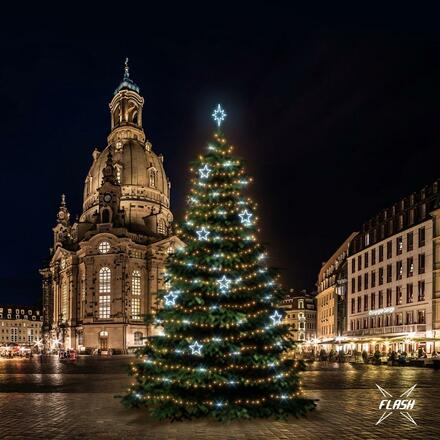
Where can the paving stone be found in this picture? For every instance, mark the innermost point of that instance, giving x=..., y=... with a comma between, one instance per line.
x=67, y=405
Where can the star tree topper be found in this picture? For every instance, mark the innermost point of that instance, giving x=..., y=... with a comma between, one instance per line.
x=219, y=115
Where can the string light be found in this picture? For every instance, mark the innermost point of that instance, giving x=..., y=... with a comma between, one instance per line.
x=226, y=310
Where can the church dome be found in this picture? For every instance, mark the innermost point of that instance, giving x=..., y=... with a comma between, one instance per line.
x=145, y=189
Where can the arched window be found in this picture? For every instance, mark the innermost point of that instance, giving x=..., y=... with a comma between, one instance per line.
x=136, y=308
x=132, y=112
x=136, y=282
x=65, y=302
x=153, y=178
x=116, y=116
x=105, y=215
x=118, y=173
x=104, y=280
x=161, y=227
x=104, y=293
x=134, y=118
x=138, y=336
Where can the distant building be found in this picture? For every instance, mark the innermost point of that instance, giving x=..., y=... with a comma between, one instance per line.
x=394, y=277
x=300, y=314
x=332, y=296
x=20, y=325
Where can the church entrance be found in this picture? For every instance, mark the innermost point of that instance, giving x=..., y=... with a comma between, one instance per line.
x=103, y=340
x=103, y=343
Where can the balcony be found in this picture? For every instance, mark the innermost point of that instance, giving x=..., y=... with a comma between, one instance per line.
x=396, y=329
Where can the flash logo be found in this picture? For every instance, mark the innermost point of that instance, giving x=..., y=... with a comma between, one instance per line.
x=401, y=404
x=397, y=404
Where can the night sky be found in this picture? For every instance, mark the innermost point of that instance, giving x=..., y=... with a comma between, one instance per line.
x=335, y=112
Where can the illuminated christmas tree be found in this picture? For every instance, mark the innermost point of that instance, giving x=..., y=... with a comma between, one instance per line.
x=221, y=351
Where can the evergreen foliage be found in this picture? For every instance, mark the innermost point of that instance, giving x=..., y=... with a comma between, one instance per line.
x=222, y=346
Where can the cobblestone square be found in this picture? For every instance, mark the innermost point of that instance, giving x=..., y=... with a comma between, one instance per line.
x=49, y=400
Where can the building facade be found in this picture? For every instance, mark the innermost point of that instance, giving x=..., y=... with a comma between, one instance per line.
x=300, y=314
x=331, y=299
x=394, y=278
x=20, y=325
x=106, y=268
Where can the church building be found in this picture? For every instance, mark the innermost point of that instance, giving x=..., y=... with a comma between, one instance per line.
x=106, y=268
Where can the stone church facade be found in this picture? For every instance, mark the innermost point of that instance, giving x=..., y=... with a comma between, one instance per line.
x=106, y=268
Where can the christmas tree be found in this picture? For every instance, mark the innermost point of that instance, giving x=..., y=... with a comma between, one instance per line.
x=222, y=347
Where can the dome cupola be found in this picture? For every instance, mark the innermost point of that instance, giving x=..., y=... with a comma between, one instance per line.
x=127, y=83
x=145, y=189
x=126, y=110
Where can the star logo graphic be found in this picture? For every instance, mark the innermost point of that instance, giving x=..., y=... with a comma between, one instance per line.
x=245, y=217
x=170, y=299
x=224, y=283
x=276, y=318
x=403, y=404
x=196, y=348
x=219, y=115
x=202, y=234
x=204, y=172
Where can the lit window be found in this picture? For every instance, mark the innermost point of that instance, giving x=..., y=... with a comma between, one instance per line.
x=118, y=173
x=104, y=247
x=104, y=280
x=153, y=178
x=138, y=336
x=136, y=308
x=136, y=282
x=170, y=250
x=161, y=227
x=64, y=302
x=104, y=306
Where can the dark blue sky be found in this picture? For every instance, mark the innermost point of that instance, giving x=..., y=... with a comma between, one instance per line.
x=336, y=113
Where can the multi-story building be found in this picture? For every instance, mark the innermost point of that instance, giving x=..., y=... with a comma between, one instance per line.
x=300, y=314
x=20, y=325
x=106, y=268
x=332, y=296
x=394, y=277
